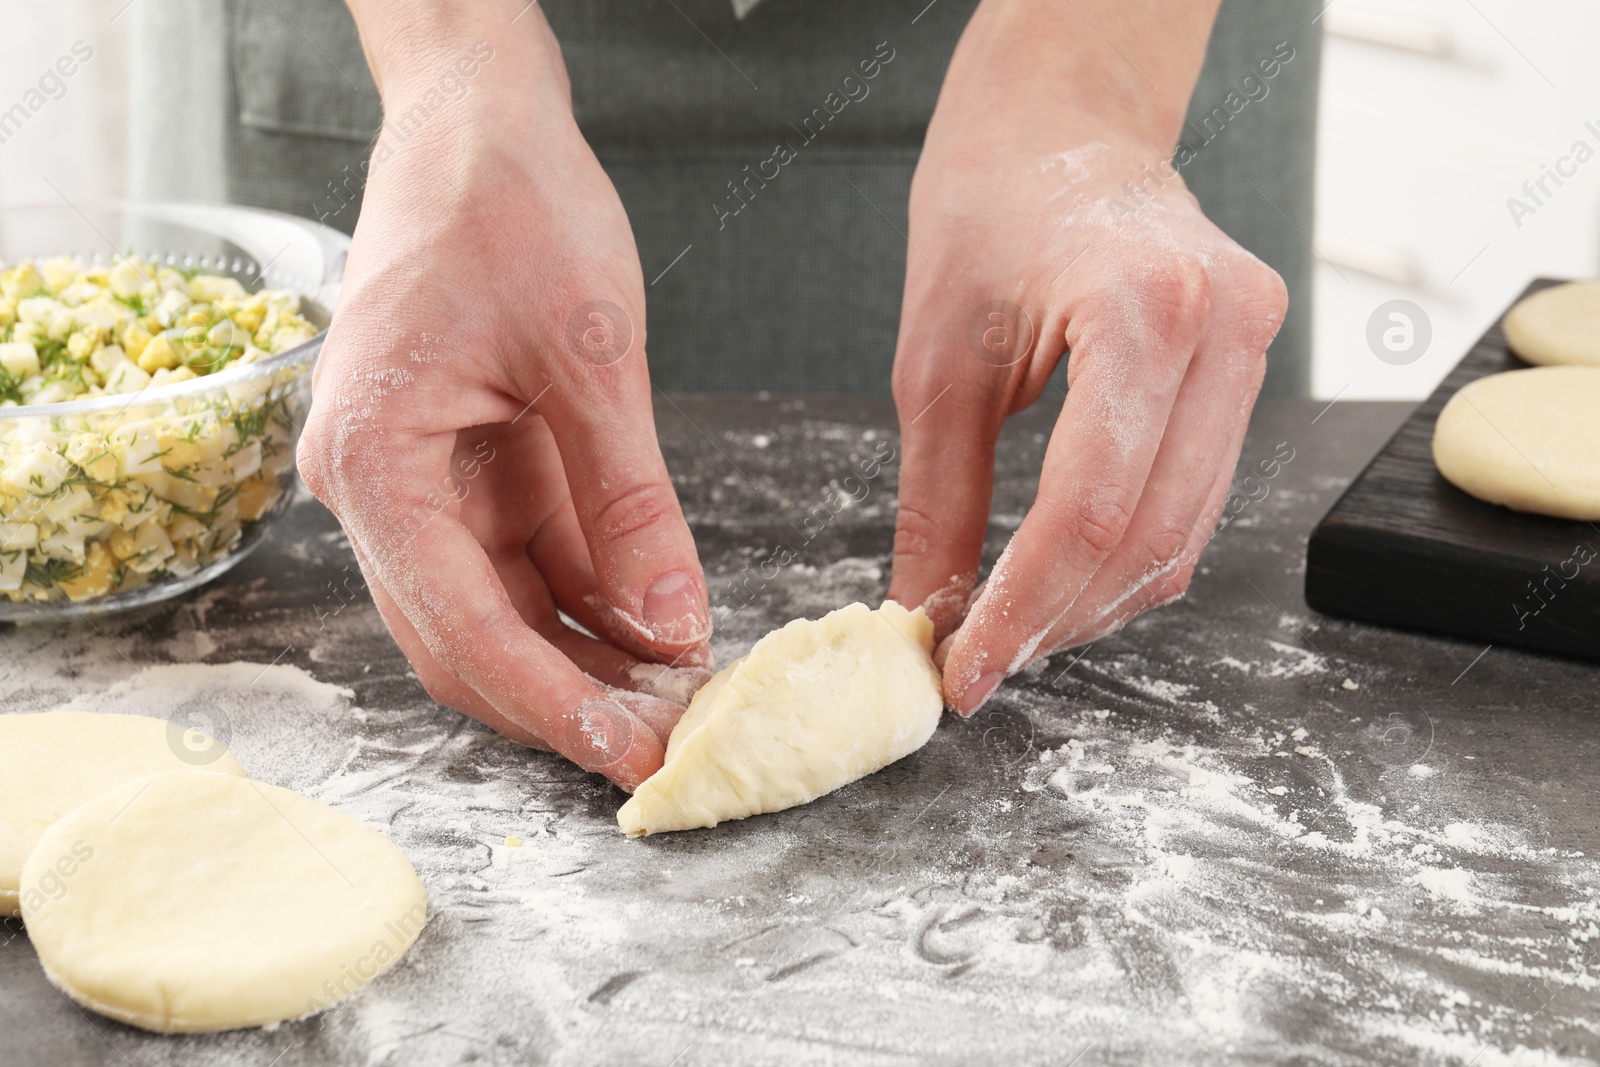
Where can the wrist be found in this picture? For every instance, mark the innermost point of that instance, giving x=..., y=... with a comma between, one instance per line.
x=1093, y=70
x=427, y=51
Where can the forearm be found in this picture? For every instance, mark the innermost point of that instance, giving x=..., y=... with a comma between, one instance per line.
x=413, y=46
x=1127, y=66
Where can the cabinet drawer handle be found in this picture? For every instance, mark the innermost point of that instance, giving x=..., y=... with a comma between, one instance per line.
x=1375, y=260
x=1408, y=35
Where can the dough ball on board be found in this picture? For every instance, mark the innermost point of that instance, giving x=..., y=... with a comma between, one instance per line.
x=1528, y=439
x=1557, y=325
x=51, y=762
x=814, y=706
x=188, y=901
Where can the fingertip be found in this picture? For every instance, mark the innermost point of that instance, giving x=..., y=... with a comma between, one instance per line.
x=603, y=736
x=949, y=604
x=969, y=676
x=975, y=695
x=948, y=678
x=946, y=605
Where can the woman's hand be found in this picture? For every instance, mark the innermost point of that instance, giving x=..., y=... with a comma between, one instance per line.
x=1039, y=227
x=482, y=423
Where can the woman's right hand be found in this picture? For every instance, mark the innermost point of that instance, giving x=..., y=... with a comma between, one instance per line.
x=482, y=421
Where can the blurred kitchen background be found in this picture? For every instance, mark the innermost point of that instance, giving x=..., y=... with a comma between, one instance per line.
x=1434, y=114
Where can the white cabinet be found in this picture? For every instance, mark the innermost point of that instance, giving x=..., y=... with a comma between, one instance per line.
x=1434, y=113
x=63, y=136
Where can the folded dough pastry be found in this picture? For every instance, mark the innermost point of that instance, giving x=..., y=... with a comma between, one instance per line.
x=814, y=706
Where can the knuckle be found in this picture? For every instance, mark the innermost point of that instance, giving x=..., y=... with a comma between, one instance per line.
x=1264, y=284
x=1176, y=295
x=1260, y=302
x=339, y=469
x=1275, y=292
x=902, y=385
x=1164, y=545
x=313, y=472
x=596, y=338
x=1259, y=328
x=913, y=385
x=1099, y=522
x=635, y=509
x=311, y=457
x=915, y=532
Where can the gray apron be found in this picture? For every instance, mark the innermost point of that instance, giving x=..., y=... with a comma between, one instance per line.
x=764, y=273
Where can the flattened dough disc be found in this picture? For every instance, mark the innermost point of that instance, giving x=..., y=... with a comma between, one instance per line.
x=814, y=706
x=189, y=901
x=1557, y=325
x=53, y=761
x=1528, y=439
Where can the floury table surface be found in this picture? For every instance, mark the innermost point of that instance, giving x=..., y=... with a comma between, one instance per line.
x=1233, y=832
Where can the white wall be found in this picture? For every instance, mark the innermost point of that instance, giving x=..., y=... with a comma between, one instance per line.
x=1422, y=139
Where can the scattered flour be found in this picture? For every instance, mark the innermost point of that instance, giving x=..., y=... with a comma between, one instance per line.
x=1293, y=662
x=250, y=707
x=1138, y=877
x=1450, y=882
x=677, y=684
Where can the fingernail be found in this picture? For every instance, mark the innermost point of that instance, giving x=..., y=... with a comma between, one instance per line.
x=673, y=611
x=980, y=691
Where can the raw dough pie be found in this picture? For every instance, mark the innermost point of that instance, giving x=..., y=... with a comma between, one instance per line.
x=1528, y=439
x=813, y=707
x=1557, y=325
x=189, y=901
x=53, y=761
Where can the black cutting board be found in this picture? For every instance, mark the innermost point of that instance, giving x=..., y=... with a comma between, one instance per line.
x=1403, y=547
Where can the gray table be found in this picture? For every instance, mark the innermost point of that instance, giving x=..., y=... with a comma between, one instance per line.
x=1131, y=856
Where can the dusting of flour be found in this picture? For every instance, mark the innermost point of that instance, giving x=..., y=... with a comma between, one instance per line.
x=1114, y=861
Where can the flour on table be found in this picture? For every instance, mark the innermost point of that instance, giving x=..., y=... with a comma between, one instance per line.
x=249, y=707
x=1141, y=875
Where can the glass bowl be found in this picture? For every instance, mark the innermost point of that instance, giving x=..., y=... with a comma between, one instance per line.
x=153, y=493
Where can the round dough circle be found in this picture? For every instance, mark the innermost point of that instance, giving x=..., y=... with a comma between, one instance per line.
x=1557, y=325
x=1526, y=439
x=50, y=762
x=188, y=901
